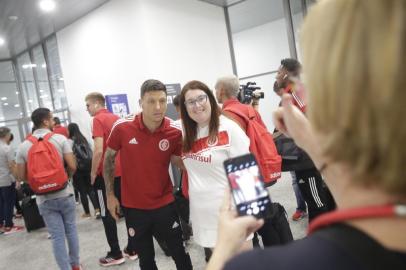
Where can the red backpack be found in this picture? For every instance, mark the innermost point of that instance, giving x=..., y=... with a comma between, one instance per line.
x=261, y=145
x=45, y=170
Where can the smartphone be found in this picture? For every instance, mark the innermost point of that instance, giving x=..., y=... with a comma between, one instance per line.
x=247, y=187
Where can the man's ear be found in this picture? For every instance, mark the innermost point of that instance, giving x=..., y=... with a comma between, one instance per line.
x=140, y=102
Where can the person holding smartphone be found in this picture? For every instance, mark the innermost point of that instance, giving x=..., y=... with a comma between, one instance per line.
x=356, y=135
x=209, y=138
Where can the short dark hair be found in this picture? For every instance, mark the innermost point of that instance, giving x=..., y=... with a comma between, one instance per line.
x=57, y=120
x=176, y=100
x=152, y=85
x=4, y=131
x=291, y=65
x=39, y=115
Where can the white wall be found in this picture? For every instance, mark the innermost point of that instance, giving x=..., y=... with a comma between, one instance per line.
x=118, y=46
x=259, y=50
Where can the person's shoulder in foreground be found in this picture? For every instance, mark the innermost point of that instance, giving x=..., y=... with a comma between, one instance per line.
x=310, y=253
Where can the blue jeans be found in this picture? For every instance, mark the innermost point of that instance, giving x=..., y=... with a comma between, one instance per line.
x=301, y=204
x=59, y=216
x=7, y=201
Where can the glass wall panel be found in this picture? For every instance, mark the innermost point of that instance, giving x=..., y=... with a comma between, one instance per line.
x=9, y=95
x=40, y=70
x=24, y=67
x=55, y=74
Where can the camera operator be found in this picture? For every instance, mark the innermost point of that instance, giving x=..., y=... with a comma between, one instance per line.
x=276, y=229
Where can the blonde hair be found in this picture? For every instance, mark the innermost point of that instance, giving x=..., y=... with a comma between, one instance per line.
x=354, y=55
x=96, y=97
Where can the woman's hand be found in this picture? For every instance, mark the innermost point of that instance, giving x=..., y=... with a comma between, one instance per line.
x=232, y=233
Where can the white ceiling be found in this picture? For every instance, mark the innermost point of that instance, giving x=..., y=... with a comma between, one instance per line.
x=250, y=13
x=33, y=25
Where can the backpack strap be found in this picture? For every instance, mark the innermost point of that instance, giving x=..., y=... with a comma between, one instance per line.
x=239, y=113
x=365, y=250
x=32, y=139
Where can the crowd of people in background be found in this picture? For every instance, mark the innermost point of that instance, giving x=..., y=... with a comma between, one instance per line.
x=349, y=143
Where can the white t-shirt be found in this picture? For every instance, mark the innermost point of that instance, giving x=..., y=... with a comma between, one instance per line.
x=207, y=179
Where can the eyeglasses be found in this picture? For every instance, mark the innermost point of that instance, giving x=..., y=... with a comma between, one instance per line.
x=201, y=100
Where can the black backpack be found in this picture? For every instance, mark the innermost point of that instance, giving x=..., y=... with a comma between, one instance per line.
x=83, y=155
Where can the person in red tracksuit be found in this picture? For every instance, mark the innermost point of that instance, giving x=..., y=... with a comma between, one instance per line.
x=102, y=124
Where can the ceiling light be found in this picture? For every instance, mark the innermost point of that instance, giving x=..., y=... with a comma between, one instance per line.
x=17, y=92
x=44, y=65
x=47, y=5
x=41, y=91
x=4, y=98
x=30, y=101
x=13, y=18
x=5, y=104
x=2, y=41
x=16, y=105
x=25, y=66
x=44, y=96
x=61, y=90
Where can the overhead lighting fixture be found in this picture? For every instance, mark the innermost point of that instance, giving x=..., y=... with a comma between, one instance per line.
x=16, y=105
x=44, y=65
x=30, y=101
x=41, y=91
x=4, y=98
x=2, y=41
x=13, y=18
x=5, y=104
x=61, y=90
x=43, y=96
x=47, y=5
x=17, y=92
x=25, y=66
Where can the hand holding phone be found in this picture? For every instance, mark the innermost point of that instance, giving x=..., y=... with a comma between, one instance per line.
x=247, y=187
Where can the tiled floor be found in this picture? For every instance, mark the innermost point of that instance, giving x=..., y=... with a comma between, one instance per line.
x=33, y=250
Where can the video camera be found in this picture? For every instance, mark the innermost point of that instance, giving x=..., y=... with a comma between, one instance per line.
x=248, y=92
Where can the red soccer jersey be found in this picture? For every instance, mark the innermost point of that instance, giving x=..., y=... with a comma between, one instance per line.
x=58, y=129
x=145, y=158
x=103, y=121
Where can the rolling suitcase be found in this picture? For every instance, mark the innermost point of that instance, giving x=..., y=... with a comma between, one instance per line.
x=32, y=218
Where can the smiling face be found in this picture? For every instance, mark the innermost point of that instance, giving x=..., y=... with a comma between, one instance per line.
x=198, y=106
x=153, y=105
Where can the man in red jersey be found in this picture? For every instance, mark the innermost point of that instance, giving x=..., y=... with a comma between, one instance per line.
x=147, y=145
x=103, y=121
x=59, y=129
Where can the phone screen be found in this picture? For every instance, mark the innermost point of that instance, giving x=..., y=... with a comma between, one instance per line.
x=247, y=188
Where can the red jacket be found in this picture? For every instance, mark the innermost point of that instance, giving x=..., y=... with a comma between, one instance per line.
x=61, y=130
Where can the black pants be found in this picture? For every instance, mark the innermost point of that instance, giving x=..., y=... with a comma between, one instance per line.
x=314, y=192
x=276, y=230
x=163, y=223
x=81, y=181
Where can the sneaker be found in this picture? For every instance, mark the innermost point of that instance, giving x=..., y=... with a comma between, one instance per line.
x=110, y=260
x=84, y=215
x=298, y=215
x=97, y=214
x=132, y=255
x=78, y=267
x=10, y=230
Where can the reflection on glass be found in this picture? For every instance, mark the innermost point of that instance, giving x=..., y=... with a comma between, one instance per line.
x=27, y=82
x=9, y=99
x=56, y=77
x=296, y=9
x=40, y=69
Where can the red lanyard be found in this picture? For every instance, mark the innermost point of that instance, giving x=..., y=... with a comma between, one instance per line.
x=337, y=216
